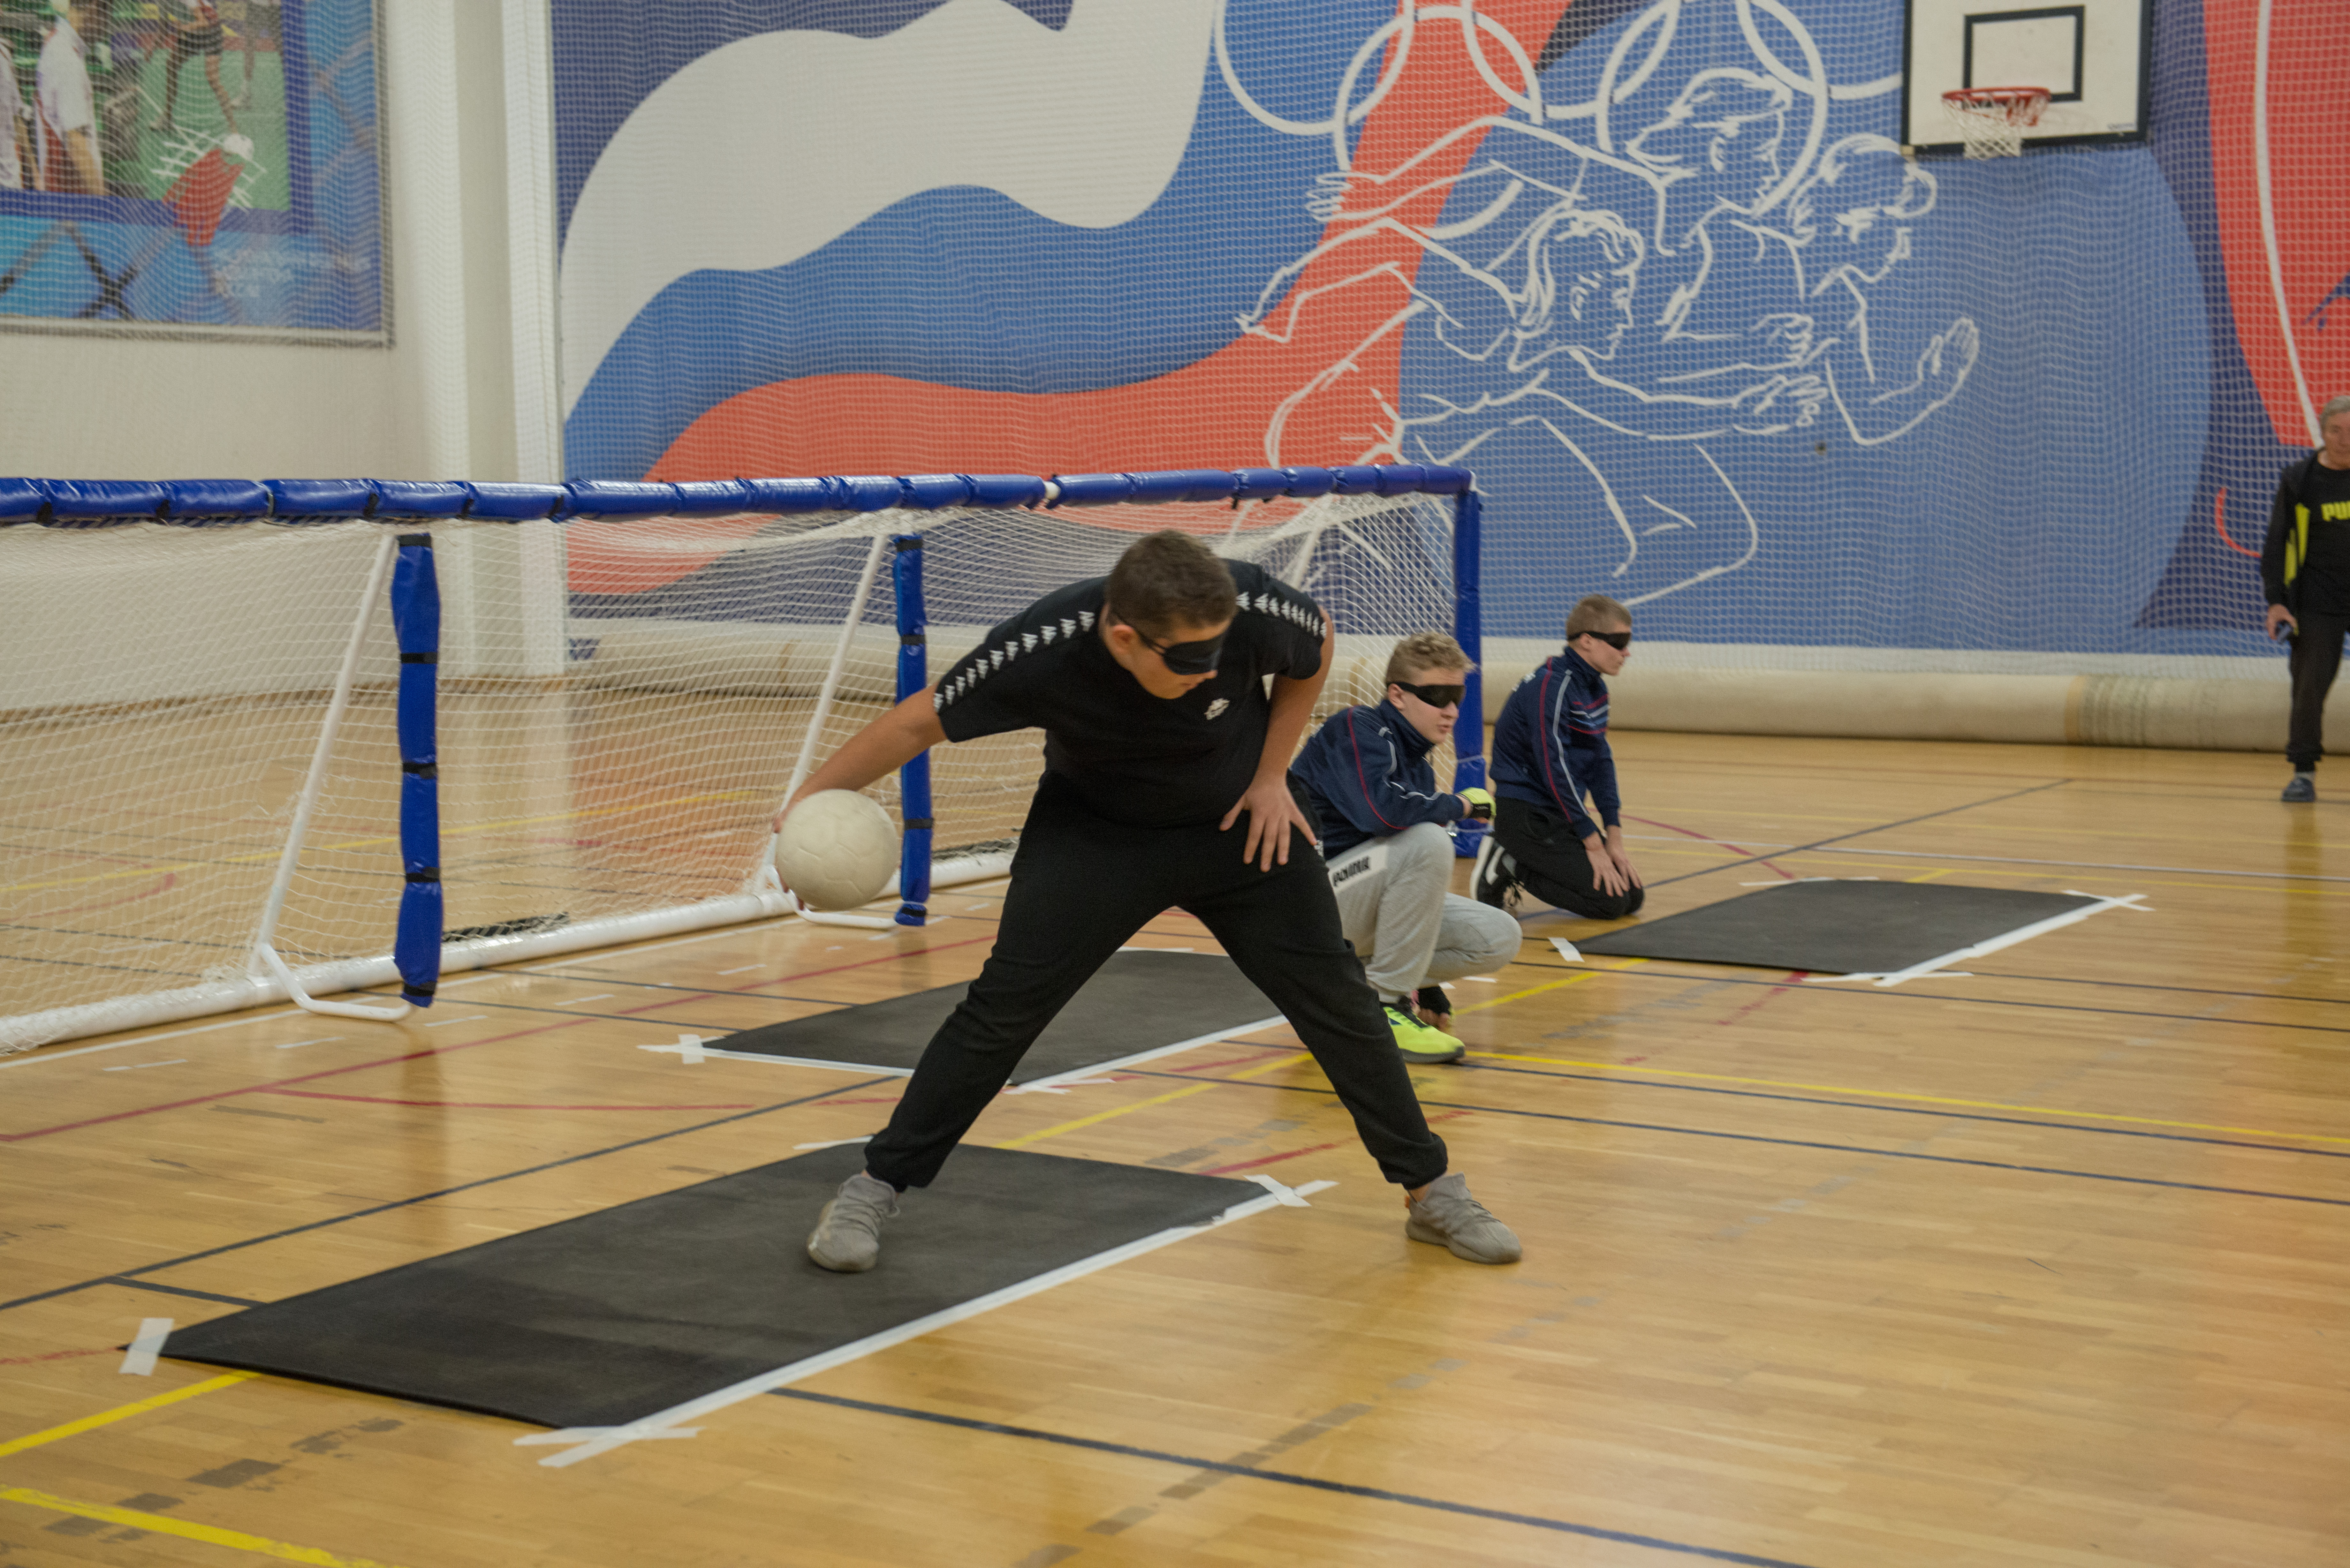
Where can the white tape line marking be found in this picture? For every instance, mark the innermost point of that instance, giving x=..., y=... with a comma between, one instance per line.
x=861, y=1067
x=298, y=1045
x=688, y=1048
x=1934, y=968
x=836, y=1143
x=1156, y=949
x=857, y=1350
x=1076, y=1073
x=138, y=1361
x=474, y=1018
x=1566, y=950
x=1477, y=979
x=1058, y=1086
x=743, y=970
x=625, y=1434
x=599, y=996
x=1288, y=1197
x=174, y=1062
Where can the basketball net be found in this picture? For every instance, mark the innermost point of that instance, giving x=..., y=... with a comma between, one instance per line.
x=1992, y=121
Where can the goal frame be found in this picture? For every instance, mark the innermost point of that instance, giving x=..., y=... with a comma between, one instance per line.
x=402, y=507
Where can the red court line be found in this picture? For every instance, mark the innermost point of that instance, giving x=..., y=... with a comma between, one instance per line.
x=59, y=1355
x=492, y=1104
x=1688, y=832
x=1794, y=979
x=275, y=1083
x=1274, y=1159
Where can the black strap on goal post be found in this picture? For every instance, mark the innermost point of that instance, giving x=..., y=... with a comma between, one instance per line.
x=416, y=619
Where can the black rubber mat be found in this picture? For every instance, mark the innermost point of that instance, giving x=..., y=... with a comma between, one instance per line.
x=1836, y=927
x=622, y=1313
x=1136, y=1002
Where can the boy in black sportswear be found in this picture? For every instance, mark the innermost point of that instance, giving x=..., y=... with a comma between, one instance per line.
x=1160, y=740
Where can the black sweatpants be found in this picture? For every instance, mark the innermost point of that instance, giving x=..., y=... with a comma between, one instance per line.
x=1082, y=885
x=1550, y=862
x=2316, y=659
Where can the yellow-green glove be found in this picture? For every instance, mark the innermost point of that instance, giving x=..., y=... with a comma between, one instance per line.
x=1479, y=803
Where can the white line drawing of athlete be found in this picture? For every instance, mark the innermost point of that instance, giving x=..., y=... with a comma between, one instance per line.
x=1603, y=293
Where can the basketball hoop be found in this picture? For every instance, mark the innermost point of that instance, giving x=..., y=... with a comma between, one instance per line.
x=1992, y=121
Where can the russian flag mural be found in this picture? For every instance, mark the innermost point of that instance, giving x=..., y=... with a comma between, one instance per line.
x=1657, y=269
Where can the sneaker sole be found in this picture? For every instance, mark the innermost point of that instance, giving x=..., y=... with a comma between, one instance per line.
x=845, y=1266
x=1432, y=1058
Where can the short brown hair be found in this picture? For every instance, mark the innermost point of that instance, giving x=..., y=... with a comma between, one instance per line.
x=1169, y=578
x=1420, y=651
x=1596, y=612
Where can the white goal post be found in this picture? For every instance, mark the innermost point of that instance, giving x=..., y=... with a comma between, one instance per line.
x=286, y=739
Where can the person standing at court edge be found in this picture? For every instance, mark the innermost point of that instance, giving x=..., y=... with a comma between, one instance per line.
x=2305, y=567
x=1387, y=837
x=1166, y=786
x=1551, y=756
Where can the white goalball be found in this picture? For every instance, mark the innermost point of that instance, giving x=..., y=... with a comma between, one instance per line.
x=837, y=849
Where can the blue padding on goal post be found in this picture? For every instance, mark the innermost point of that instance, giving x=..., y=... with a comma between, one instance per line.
x=618, y=501
x=514, y=503
x=1006, y=490
x=914, y=778
x=320, y=499
x=711, y=498
x=22, y=501
x=784, y=497
x=197, y=502
x=104, y=503
x=416, y=620
x=1469, y=631
x=424, y=499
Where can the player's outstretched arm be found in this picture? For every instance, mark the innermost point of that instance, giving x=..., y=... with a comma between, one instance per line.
x=1272, y=809
x=883, y=746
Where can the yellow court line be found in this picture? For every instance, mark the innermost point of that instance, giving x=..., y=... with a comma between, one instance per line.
x=187, y=1530
x=1184, y=1093
x=1923, y=1099
x=121, y=1412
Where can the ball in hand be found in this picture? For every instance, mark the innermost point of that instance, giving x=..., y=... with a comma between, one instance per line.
x=838, y=850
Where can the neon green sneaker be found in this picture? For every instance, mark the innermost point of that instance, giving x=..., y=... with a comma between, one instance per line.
x=1420, y=1043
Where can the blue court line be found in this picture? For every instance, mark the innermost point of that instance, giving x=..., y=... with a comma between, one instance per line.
x=129, y=1276
x=1938, y=996
x=1866, y=1104
x=1288, y=1478
x=1785, y=1142
x=1750, y=858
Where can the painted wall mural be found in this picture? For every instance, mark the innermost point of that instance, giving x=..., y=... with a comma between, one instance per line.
x=1656, y=269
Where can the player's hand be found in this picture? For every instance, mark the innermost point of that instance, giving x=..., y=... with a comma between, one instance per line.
x=1477, y=805
x=1435, y=1008
x=1604, y=874
x=1623, y=861
x=2280, y=616
x=1272, y=812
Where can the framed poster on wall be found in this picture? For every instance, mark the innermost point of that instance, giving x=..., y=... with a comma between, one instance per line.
x=206, y=167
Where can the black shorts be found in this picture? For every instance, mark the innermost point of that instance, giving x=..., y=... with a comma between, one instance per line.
x=197, y=41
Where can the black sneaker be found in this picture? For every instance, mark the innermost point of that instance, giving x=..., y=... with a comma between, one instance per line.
x=2302, y=790
x=1488, y=882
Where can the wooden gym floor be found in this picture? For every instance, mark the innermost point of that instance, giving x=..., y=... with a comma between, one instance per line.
x=2045, y=1265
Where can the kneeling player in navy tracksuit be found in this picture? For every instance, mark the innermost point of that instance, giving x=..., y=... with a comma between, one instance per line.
x=1385, y=834
x=1550, y=750
x=1159, y=736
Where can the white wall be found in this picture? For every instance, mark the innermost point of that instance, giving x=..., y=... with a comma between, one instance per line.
x=438, y=401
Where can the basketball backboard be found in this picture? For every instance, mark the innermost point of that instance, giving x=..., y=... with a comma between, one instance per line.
x=2091, y=56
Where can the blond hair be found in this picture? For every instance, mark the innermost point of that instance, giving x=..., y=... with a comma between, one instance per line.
x=1596, y=612
x=1418, y=653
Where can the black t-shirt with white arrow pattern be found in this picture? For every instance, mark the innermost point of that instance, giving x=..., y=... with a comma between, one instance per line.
x=1144, y=760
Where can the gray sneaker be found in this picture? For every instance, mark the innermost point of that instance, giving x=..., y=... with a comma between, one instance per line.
x=847, y=1235
x=1451, y=1219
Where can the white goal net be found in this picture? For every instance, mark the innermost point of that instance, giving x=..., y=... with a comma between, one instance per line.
x=621, y=706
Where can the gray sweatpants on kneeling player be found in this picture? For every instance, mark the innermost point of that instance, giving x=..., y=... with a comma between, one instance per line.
x=1404, y=921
